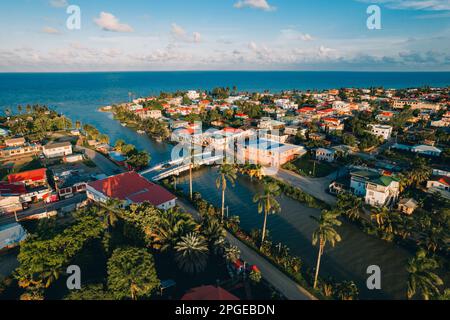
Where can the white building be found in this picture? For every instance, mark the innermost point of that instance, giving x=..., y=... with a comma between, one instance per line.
x=193, y=95
x=441, y=185
x=382, y=131
x=60, y=149
x=324, y=154
x=427, y=150
x=11, y=235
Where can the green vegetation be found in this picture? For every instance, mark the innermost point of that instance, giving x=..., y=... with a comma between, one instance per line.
x=307, y=166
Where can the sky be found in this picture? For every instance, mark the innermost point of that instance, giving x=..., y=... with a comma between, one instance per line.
x=141, y=35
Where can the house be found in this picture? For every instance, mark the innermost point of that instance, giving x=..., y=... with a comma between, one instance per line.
x=382, y=191
x=32, y=178
x=359, y=181
x=264, y=134
x=73, y=158
x=15, y=142
x=193, y=95
x=292, y=130
x=270, y=124
x=59, y=149
x=268, y=152
x=206, y=293
x=178, y=124
x=323, y=154
x=11, y=235
x=382, y=131
x=149, y=114
x=10, y=204
x=427, y=150
x=130, y=187
x=19, y=151
x=385, y=116
x=439, y=184
x=408, y=206
x=241, y=116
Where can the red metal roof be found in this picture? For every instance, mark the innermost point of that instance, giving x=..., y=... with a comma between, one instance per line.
x=33, y=175
x=209, y=293
x=306, y=109
x=133, y=187
x=445, y=180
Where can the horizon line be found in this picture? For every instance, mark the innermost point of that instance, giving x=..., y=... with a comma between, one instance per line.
x=218, y=70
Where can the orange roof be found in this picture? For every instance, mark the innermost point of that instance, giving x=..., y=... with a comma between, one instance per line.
x=306, y=109
x=209, y=293
x=326, y=111
x=445, y=180
x=33, y=175
x=387, y=114
x=331, y=120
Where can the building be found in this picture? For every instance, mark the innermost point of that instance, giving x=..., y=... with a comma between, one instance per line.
x=439, y=184
x=149, y=114
x=408, y=206
x=427, y=150
x=382, y=191
x=14, y=142
x=193, y=95
x=323, y=154
x=382, y=131
x=130, y=187
x=385, y=116
x=206, y=293
x=359, y=180
x=270, y=124
x=20, y=151
x=11, y=235
x=32, y=178
x=416, y=105
x=59, y=149
x=268, y=152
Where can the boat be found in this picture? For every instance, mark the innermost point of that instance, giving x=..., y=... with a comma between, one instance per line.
x=141, y=131
x=123, y=124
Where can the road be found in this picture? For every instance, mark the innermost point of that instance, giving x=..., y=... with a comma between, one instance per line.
x=288, y=287
x=107, y=166
x=317, y=187
x=9, y=218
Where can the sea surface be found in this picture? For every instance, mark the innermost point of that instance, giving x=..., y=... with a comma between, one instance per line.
x=79, y=95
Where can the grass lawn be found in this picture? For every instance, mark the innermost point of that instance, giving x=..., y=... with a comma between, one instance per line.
x=305, y=167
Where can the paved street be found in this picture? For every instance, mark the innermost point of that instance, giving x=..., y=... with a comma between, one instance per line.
x=107, y=166
x=289, y=288
x=317, y=187
x=9, y=218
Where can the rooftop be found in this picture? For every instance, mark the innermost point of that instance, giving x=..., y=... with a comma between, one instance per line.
x=133, y=187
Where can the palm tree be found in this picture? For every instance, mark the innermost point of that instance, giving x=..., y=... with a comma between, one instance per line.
x=169, y=228
x=382, y=217
x=350, y=205
x=421, y=276
x=19, y=109
x=78, y=124
x=192, y=253
x=268, y=204
x=227, y=173
x=110, y=213
x=325, y=233
x=232, y=254
x=215, y=233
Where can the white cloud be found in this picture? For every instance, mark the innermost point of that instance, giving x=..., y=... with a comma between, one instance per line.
x=109, y=22
x=59, y=3
x=294, y=35
x=50, y=30
x=255, y=4
x=428, y=5
x=180, y=34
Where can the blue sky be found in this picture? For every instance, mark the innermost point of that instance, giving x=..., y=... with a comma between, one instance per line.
x=224, y=35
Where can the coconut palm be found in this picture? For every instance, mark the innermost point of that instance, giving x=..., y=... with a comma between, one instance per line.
x=325, y=233
x=382, y=217
x=215, y=233
x=347, y=290
x=421, y=277
x=227, y=173
x=192, y=253
x=169, y=228
x=232, y=254
x=268, y=204
x=350, y=205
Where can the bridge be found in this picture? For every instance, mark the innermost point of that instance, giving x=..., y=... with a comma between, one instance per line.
x=175, y=167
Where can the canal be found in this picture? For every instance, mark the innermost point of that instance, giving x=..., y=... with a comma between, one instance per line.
x=293, y=226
